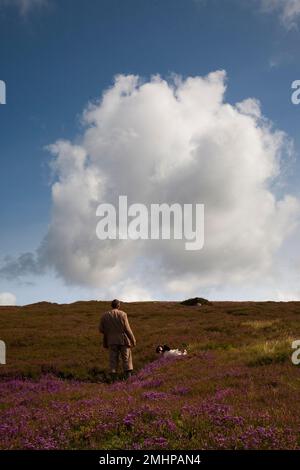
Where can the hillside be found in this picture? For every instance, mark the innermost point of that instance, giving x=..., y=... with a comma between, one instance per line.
x=237, y=388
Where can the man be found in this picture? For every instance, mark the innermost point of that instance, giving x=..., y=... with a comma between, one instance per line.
x=118, y=338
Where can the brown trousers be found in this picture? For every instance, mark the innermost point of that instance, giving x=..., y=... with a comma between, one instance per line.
x=115, y=350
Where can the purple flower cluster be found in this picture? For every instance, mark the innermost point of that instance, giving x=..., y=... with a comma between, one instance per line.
x=153, y=395
x=157, y=408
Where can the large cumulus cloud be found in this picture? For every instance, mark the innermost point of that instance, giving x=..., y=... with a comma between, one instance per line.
x=169, y=141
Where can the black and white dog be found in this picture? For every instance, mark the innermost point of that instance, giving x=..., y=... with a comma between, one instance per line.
x=166, y=351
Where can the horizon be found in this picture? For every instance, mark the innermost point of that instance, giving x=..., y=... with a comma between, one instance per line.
x=145, y=301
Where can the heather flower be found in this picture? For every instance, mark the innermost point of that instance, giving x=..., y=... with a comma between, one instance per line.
x=154, y=443
x=130, y=418
x=155, y=395
x=154, y=383
x=211, y=410
x=166, y=423
x=181, y=390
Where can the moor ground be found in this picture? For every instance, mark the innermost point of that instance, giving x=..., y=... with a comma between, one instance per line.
x=237, y=388
x=64, y=339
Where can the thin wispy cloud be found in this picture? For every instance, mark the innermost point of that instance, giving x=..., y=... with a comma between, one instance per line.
x=25, y=264
x=280, y=58
x=287, y=10
x=24, y=6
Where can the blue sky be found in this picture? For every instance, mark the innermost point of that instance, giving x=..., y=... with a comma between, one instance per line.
x=58, y=56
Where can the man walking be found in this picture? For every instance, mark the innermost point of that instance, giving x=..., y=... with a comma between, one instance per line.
x=118, y=338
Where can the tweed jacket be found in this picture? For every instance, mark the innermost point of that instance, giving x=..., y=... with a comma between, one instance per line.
x=115, y=327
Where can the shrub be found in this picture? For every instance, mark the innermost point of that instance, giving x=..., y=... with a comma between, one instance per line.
x=196, y=301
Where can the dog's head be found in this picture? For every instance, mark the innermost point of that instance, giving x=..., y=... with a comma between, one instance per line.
x=161, y=349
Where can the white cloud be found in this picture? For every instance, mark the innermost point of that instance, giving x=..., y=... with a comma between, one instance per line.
x=288, y=296
x=6, y=298
x=160, y=141
x=288, y=10
x=24, y=6
x=170, y=142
